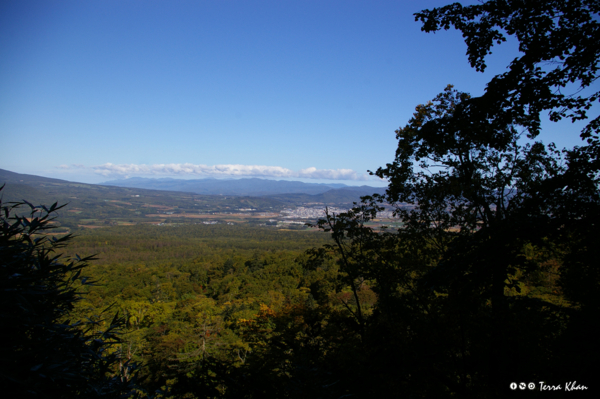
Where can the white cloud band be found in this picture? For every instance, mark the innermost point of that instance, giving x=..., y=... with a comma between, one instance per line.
x=188, y=169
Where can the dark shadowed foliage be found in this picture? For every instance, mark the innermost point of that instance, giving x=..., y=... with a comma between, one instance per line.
x=44, y=353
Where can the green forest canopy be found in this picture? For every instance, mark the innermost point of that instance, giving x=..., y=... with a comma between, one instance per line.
x=492, y=279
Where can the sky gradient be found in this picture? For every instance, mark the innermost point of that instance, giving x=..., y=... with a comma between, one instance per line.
x=301, y=90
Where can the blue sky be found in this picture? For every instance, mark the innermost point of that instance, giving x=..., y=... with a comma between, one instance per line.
x=303, y=90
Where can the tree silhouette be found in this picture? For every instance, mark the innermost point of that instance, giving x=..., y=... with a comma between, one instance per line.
x=44, y=353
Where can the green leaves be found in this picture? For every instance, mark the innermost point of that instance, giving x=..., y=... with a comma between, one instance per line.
x=558, y=40
x=43, y=353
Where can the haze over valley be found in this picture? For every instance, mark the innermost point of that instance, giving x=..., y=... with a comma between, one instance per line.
x=284, y=204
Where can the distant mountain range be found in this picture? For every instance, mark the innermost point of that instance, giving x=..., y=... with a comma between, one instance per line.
x=247, y=187
x=47, y=190
x=96, y=205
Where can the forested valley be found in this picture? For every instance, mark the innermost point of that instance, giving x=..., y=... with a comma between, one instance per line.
x=488, y=287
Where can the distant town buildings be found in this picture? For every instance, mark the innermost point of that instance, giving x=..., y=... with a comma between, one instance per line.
x=317, y=212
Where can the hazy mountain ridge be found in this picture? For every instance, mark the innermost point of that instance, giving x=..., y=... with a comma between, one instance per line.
x=93, y=205
x=46, y=190
x=98, y=205
x=346, y=195
x=240, y=187
x=6, y=176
